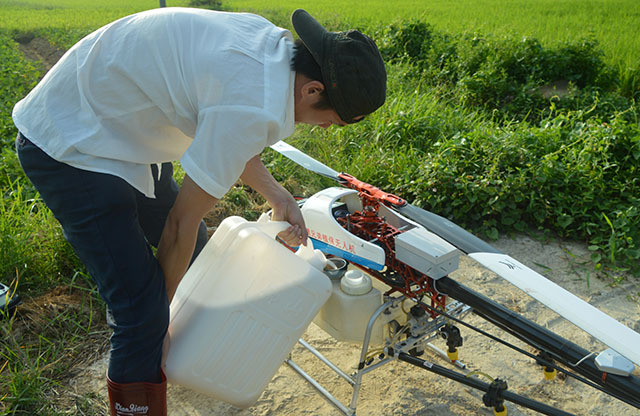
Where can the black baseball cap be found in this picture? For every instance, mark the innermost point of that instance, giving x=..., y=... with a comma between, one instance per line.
x=352, y=68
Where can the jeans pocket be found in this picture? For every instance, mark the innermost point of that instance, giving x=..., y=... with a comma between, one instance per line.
x=21, y=141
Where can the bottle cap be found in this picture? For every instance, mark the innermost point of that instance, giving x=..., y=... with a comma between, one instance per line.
x=354, y=282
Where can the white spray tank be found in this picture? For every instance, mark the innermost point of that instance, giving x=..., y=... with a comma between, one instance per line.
x=346, y=314
x=240, y=309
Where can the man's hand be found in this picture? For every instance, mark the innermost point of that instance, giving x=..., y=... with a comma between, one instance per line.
x=289, y=211
x=283, y=204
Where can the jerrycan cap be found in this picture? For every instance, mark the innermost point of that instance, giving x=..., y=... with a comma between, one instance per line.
x=354, y=282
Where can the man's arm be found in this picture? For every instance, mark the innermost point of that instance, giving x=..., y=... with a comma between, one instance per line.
x=178, y=238
x=284, y=206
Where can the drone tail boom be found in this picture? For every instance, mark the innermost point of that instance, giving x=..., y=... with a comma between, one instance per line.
x=563, y=351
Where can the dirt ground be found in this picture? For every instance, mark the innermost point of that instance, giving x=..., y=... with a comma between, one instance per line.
x=398, y=388
x=39, y=49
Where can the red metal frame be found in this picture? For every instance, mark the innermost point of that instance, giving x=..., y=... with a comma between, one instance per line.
x=369, y=194
x=370, y=227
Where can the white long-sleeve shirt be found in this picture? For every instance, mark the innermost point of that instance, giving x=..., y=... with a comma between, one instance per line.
x=208, y=88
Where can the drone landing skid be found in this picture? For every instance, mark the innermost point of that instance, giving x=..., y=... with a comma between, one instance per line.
x=428, y=331
x=408, y=350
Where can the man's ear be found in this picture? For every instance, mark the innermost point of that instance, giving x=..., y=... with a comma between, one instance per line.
x=312, y=88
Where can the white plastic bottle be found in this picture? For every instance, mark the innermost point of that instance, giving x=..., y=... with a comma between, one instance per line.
x=347, y=312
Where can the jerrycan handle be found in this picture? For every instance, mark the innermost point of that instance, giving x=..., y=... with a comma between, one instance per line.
x=314, y=257
x=271, y=228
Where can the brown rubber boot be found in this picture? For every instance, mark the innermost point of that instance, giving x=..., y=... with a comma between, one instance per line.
x=138, y=399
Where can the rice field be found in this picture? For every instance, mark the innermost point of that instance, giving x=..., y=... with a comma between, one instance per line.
x=613, y=23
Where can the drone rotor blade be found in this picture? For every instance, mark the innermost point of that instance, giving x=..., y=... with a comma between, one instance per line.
x=603, y=327
x=304, y=160
x=453, y=233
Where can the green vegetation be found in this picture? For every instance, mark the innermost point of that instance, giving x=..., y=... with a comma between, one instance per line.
x=39, y=345
x=612, y=23
x=513, y=116
x=206, y=4
x=569, y=174
x=64, y=22
x=18, y=77
x=468, y=134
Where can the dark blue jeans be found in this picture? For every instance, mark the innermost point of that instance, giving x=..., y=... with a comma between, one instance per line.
x=112, y=227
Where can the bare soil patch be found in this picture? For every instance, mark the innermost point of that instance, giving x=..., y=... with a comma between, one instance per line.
x=65, y=309
x=39, y=49
x=558, y=88
x=74, y=322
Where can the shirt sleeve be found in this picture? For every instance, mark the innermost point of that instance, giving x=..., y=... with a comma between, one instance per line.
x=226, y=138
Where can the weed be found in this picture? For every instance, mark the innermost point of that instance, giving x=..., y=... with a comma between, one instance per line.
x=18, y=77
x=206, y=4
x=509, y=75
x=489, y=176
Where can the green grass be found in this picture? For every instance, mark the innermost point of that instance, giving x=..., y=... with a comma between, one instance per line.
x=41, y=346
x=17, y=77
x=613, y=23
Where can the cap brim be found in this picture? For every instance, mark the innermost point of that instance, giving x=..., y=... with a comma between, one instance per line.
x=310, y=32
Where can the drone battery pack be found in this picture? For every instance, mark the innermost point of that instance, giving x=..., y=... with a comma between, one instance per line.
x=427, y=253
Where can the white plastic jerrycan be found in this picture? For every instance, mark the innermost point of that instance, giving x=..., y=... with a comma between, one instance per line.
x=240, y=309
x=346, y=314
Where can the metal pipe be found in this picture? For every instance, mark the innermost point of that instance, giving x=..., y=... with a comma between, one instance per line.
x=335, y=402
x=367, y=333
x=374, y=366
x=444, y=355
x=480, y=385
x=326, y=361
x=365, y=347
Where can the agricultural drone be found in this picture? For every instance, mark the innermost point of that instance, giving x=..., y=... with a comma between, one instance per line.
x=412, y=252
